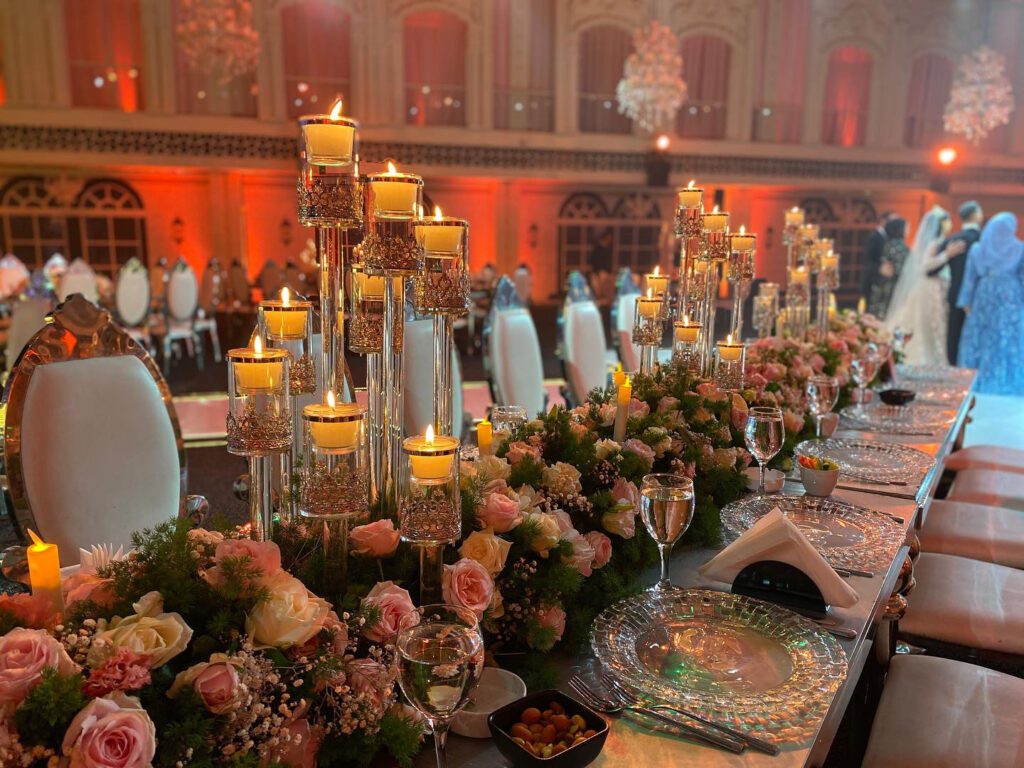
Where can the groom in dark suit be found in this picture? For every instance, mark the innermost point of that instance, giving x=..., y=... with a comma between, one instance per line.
x=874, y=245
x=956, y=248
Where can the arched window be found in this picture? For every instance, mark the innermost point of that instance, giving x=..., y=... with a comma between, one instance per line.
x=524, y=75
x=434, y=53
x=104, y=45
x=779, y=81
x=603, y=52
x=847, y=97
x=848, y=222
x=101, y=221
x=706, y=72
x=930, y=80
x=201, y=88
x=634, y=221
x=317, y=45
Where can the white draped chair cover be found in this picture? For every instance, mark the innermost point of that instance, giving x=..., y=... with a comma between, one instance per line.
x=131, y=296
x=97, y=452
x=79, y=278
x=27, y=317
x=419, y=380
x=516, y=364
x=14, y=275
x=182, y=293
x=629, y=353
x=584, y=349
x=523, y=279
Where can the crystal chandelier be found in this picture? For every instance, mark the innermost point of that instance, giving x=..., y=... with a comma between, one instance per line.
x=652, y=90
x=981, y=97
x=218, y=37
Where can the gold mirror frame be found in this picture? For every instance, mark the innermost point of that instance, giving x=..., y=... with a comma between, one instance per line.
x=75, y=330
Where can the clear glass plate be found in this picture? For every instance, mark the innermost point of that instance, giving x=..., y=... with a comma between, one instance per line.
x=845, y=535
x=932, y=373
x=937, y=393
x=916, y=417
x=730, y=658
x=870, y=460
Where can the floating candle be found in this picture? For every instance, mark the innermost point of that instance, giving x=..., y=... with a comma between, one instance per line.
x=441, y=236
x=334, y=427
x=649, y=306
x=690, y=196
x=395, y=194
x=686, y=331
x=285, y=318
x=729, y=350
x=657, y=283
x=329, y=139
x=716, y=221
x=794, y=217
x=742, y=241
x=257, y=370
x=430, y=456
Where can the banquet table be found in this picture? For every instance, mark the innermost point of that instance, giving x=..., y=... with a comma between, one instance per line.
x=629, y=744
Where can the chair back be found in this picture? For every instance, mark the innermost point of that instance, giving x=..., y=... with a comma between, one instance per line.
x=419, y=379
x=271, y=279
x=182, y=293
x=213, y=288
x=513, y=352
x=27, y=317
x=584, y=349
x=79, y=278
x=92, y=445
x=625, y=316
x=14, y=275
x=131, y=296
x=523, y=279
x=238, y=284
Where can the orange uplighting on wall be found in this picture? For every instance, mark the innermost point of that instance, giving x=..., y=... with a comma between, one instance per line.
x=947, y=156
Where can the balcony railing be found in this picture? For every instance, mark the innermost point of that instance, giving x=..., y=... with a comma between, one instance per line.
x=701, y=120
x=429, y=104
x=779, y=123
x=599, y=113
x=517, y=109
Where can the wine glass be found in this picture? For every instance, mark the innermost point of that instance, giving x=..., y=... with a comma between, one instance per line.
x=666, y=507
x=506, y=419
x=822, y=394
x=864, y=367
x=440, y=659
x=763, y=435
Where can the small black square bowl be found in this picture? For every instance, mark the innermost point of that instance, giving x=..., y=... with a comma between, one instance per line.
x=897, y=397
x=501, y=721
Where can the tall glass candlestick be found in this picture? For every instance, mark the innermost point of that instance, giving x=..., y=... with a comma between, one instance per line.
x=689, y=210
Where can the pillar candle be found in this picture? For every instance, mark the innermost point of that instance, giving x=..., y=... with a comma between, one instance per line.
x=484, y=437
x=624, y=395
x=44, y=572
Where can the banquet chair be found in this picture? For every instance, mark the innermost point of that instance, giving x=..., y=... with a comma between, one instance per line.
x=182, y=303
x=54, y=269
x=989, y=486
x=14, y=276
x=92, y=445
x=523, y=278
x=990, y=534
x=131, y=299
x=79, y=278
x=27, y=317
x=419, y=380
x=583, y=347
x=938, y=713
x=211, y=296
x=986, y=457
x=514, y=364
x=238, y=285
x=271, y=279
x=625, y=314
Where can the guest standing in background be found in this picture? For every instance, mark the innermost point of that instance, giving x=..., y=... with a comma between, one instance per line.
x=894, y=254
x=955, y=248
x=873, y=247
x=992, y=297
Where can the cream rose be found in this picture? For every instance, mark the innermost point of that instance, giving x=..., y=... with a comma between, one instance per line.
x=487, y=549
x=605, y=448
x=113, y=732
x=24, y=654
x=562, y=478
x=216, y=682
x=547, y=532
x=492, y=468
x=149, y=632
x=290, y=616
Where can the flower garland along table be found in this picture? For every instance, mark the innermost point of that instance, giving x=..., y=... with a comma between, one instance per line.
x=202, y=648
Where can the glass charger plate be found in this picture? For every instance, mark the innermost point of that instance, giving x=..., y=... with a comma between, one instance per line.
x=932, y=373
x=941, y=393
x=845, y=535
x=870, y=460
x=916, y=417
x=730, y=658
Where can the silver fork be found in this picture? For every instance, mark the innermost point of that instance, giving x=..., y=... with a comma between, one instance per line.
x=614, y=707
x=627, y=696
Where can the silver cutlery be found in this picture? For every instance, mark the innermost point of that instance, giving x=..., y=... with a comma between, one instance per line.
x=840, y=632
x=628, y=697
x=592, y=699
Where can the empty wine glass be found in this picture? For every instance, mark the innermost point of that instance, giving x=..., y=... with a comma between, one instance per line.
x=440, y=659
x=864, y=366
x=506, y=419
x=822, y=394
x=666, y=507
x=763, y=435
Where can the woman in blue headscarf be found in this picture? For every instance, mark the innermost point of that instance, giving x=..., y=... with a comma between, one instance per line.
x=993, y=298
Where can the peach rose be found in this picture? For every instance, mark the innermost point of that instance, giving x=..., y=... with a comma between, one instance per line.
x=625, y=494
x=392, y=603
x=487, y=549
x=469, y=585
x=498, y=512
x=24, y=654
x=602, y=547
x=300, y=746
x=113, y=732
x=216, y=682
x=740, y=410
x=640, y=448
x=290, y=616
x=376, y=539
x=552, y=617
x=620, y=521
x=264, y=557
x=86, y=585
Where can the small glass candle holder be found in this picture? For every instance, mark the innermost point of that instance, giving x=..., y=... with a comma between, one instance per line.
x=716, y=229
x=648, y=320
x=287, y=323
x=819, y=249
x=730, y=361
x=656, y=284
x=686, y=344
x=770, y=290
x=741, y=261
x=689, y=210
x=366, y=312
x=330, y=196
x=764, y=315
x=394, y=195
x=791, y=229
x=443, y=285
x=330, y=139
x=798, y=288
x=430, y=511
x=829, y=274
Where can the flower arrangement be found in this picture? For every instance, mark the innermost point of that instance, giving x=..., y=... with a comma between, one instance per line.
x=200, y=649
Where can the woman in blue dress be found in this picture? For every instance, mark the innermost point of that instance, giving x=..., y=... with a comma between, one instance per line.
x=992, y=295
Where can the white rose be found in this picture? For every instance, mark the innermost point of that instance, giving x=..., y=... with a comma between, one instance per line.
x=487, y=549
x=290, y=616
x=605, y=448
x=492, y=468
x=151, y=632
x=547, y=532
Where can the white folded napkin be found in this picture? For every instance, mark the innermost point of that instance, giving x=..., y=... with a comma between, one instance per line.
x=774, y=537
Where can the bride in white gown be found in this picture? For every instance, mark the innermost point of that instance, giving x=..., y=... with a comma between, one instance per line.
x=918, y=306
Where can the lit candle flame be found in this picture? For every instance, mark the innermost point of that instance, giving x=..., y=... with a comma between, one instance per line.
x=330, y=398
x=649, y=294
x=655, y=272
x=429, y=436
x=336, y=109
x=715, y=210
x=37, y=543
x=437, y=213
x=628, y=382
x=686, y=319
x=286, y=296
x=795, y=208
x=618, y=367
x=257, y=345
x=690, y=185
x=743, y=229
x=391, y=169
x=728, y=340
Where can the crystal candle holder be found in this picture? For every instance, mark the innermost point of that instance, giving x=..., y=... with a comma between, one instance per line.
x=730, y=361
x=648, y=321
x=764, y=315
x=716, y=245
x=798, y=288
x=366, y=312
x=330, y=196
x=334, y=476
x=391, y=246
x=740, y=267
x=442, y=287
x=288, y=324
x=430, y=506
x=686, y=344
x=688, y=219
x=791, y=229
x=394, y=195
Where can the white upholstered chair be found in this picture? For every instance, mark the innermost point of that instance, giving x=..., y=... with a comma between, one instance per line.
x=989, y=486
x=182, y=303
x=419, y=380
x=938, y=713
x=79, y=278
x=584, y=349
x=131, y=298
x=625, y=314
x=990, y=534
x=27, y=316
x=93, y=449
x=517, y=368
x=986, y=457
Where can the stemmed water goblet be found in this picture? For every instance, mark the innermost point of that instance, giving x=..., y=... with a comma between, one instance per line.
x=822, y=394
x=764, y=434
x=864, y=366
x=666, y=507
x=440, y=652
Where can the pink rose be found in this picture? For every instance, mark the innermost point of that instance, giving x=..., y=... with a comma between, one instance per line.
x=376, y=539
x=498, y=512
x=564, y=521
x=468, y=584
x=113, y=732
x=392, y=603
x=553, y=617
x=756, y=381
x=369, y=679
x=218, y=686
x=86, y=585
x=817, y=362
x=602, y=547
x=794, y=423
x=640, y=448
x=625, y=494
x=739, y=412
x=126, y=670
x=519, y=450
x=775, y=372
x=638, y=408
x=606, y=414
x=668, y=403
x=582, y=557
x=24, y=654
x=263, y=556
x=709, y=391
x=300, y=746
x=620, y=521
